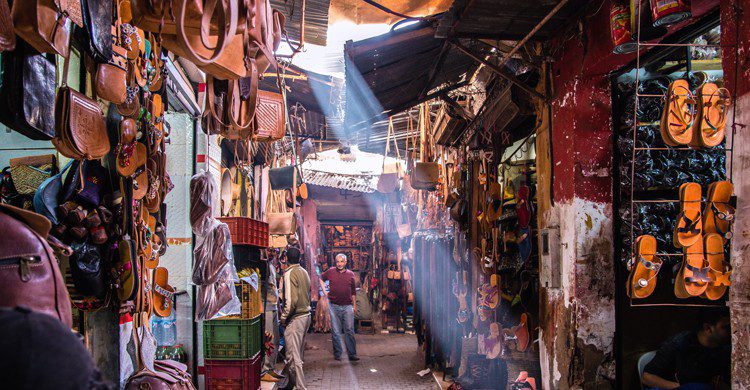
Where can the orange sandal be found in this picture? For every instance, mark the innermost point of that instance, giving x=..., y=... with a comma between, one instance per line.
x=720, y=271
x=690, y=222
x=679, y=114
x=692, y=279
x=718, y=215
x=645, y=268
x=163, y=292
x=712, y=116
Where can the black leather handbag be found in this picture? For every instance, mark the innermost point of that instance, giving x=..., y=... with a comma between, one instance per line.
x=283, y=178
x=97, y=20
x=27, y=93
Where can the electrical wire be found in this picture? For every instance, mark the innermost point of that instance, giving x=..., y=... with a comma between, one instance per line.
x=390, y=11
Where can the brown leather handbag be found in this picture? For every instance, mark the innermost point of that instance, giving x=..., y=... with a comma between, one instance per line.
x=43, y=25
x=425, y=176
x=80, y=127
x=270, y=117
x=110, y=81
x=228, y=114
x=29, y=274
x=7, y=35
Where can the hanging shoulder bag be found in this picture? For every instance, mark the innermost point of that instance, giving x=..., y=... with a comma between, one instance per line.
x=27, y=94
x=43, y=24
x=425, y=176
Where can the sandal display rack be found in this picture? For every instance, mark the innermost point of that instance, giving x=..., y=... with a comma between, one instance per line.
x=653, y=197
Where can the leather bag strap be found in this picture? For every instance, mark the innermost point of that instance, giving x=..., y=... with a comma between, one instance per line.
x=235, y=102
x=225, y=10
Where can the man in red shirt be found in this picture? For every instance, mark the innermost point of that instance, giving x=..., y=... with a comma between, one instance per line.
x=342, y=306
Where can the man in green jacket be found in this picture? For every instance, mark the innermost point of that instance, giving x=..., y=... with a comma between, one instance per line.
x=296, y=316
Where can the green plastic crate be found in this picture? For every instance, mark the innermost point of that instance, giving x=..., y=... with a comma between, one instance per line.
x=231, y=339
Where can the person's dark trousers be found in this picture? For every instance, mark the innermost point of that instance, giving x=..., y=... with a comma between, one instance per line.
x=342, y=321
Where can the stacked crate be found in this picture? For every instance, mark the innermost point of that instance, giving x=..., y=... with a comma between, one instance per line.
x=232, y=346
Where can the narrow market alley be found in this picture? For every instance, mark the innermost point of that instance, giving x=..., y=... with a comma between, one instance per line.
x=388, y=362
x=374, y=194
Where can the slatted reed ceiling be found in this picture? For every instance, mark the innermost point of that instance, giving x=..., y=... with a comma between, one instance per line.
x=316, y=19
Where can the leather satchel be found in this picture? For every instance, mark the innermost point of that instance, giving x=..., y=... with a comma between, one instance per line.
x=425, y=176
x=7, y=35
x=97, y=19
x=270, y=117
x=43, y=25
x=29, y=275
x=80, y=126
x=282, y=223
x=227, y=114
x=28, y=93
x=110, y=81
x=283, y=178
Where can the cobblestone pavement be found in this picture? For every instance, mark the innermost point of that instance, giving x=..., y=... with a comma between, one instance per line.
x=387, y=361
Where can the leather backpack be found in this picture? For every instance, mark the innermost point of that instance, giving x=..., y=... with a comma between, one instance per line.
x=28, y=93
x=29, y=274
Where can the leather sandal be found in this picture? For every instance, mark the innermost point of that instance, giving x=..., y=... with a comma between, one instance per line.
x=678, y=115
x=713, y=103
x=522, y=333
x=720, y=271
x=718, y=215
x=163, y=292
x=690, y=222
x=644, y=268
x=692, y=278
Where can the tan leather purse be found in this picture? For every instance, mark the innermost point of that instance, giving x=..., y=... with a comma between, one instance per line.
x=426, y=176
x=388, y=179
x=80, y=127
x=281, y=221
x=270, y=117
x=43, y=25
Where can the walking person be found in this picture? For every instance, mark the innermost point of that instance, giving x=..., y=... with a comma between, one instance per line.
x=295, y=315
x=271, y=300
x=341, y=297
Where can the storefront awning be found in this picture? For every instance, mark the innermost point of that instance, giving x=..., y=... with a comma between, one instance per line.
x=393, y=72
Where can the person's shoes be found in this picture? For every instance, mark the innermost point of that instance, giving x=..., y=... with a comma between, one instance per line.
x=353, y=358
x=276, y=374
x=337, y=358
x=267, y=377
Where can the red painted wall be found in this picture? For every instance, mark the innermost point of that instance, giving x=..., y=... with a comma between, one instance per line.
x=581, y=107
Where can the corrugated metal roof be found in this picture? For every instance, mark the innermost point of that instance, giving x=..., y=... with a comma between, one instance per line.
x=509, y=19
x=398, y=70
x=360, y=183
x=316, y=19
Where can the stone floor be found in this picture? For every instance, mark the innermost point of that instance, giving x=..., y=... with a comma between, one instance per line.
x=387, y=361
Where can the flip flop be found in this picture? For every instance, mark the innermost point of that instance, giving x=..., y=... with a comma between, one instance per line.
x=642, y=279
x=718, y=214
x=493, y=299
x=713, y=103
x=720, y=271
x=140, y=184
x=693, y=277
x=690, y=222
x=163, y=292
x=151, y=256
x=678, y=115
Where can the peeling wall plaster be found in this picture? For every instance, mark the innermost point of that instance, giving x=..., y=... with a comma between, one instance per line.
x=582, y=311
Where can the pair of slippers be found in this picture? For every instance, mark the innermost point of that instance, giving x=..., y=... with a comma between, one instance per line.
x=702, y=234
x=696, y=121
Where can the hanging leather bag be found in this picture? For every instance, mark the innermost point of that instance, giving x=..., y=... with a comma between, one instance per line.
x=270, y=114
x=43, y=24
x=80, y=127
x=425, y=176
x=283, y=178
x=29, y=275
x=7, y=35
x=227, y=113
x=27, y=94
x=388, y=180
x=97, y=32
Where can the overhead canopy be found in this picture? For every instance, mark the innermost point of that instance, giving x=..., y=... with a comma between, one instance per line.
x=316, y=19
x=396, y=71
x=508, y=19
x=359, y=12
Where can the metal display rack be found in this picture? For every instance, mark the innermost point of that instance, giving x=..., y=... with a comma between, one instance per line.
x=728, y=142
